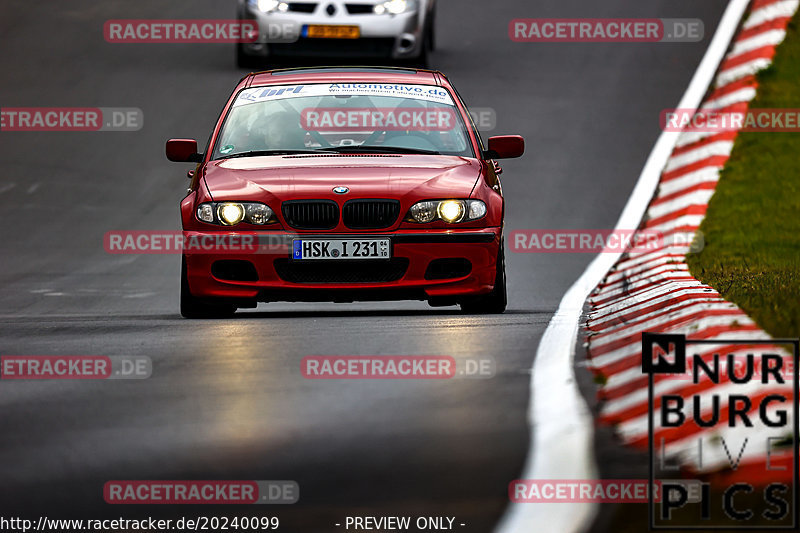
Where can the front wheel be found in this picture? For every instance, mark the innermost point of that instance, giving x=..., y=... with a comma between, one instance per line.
x=495, y=302
x=193, y=307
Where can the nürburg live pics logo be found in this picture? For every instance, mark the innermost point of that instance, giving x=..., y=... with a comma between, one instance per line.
x=723, y=432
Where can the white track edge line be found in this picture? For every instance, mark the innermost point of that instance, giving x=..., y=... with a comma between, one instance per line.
x=561, y=426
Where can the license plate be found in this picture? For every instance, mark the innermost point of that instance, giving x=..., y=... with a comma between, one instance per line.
x=335, y=249
x=325, y=31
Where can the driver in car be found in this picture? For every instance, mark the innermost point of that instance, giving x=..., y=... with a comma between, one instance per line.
x=277, y=131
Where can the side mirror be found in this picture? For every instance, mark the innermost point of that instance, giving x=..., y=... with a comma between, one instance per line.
x=183, y=151
x=505, y=147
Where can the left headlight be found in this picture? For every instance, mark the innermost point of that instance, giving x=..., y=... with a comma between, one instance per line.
x=232, y=213
x=395, y=7
x=451, y=211
x=268, y=6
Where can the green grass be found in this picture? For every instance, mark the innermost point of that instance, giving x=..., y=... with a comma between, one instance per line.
x=752, y=227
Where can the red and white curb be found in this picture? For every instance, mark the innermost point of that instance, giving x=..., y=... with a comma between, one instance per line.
x=654, y=291
x=562, y=434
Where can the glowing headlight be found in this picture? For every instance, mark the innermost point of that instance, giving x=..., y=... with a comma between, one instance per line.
x=232, y=213
x=268, y=6
x=451, y=211
x=395, y=7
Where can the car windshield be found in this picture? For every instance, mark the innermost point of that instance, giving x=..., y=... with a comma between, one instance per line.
x=345, y=118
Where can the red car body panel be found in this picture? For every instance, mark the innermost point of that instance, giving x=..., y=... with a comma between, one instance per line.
x=406, y=178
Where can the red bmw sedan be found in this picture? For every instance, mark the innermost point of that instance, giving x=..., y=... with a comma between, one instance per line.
x=343, y=184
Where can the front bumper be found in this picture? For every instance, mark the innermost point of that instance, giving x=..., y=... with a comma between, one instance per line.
x=395, y=36
x=421, y=268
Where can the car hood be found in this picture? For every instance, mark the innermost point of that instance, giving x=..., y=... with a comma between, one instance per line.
x=305, y=177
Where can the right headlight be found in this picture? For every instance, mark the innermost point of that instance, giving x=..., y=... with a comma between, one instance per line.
x=451, y=211
x=395, y=7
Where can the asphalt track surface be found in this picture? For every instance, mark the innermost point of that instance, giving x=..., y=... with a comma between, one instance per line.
x=226, y=399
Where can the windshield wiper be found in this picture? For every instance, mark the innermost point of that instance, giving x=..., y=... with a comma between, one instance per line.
x=382, y=149
x=256, y=153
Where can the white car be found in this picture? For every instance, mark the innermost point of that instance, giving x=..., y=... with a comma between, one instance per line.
x=396, y=30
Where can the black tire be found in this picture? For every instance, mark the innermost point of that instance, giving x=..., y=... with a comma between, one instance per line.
x=247, y=61
x=192, y=307
x=496, y=301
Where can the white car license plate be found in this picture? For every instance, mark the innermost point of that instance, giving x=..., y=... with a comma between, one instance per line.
x=335, y=249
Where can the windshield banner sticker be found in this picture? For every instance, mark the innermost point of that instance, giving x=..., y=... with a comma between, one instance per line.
x=427, y=93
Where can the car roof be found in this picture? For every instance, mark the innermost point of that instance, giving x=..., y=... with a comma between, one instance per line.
x=345, y=74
